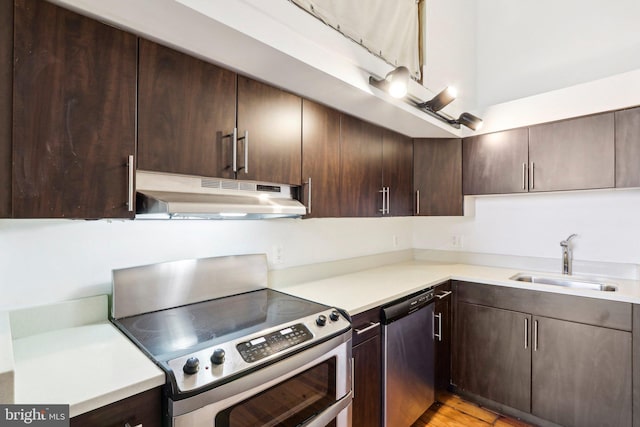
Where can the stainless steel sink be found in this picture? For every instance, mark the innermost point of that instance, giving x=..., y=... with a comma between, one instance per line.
x=568, y=282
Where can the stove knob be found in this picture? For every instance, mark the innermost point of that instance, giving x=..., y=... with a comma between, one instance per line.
x=334, y=315
x=321, y=320
x=192, y=365
x=217, y=358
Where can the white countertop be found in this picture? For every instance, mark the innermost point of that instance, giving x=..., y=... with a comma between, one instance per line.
x=84, y=365
x=360, y=291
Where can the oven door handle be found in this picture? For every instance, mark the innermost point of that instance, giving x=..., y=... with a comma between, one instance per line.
x=325, y=417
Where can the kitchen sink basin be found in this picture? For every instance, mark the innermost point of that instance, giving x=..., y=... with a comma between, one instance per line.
x=568, y=282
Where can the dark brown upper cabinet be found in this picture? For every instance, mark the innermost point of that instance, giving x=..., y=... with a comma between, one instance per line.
x=320, y=159
x=627, y=148
x=437, y=176
x=361, y=194
x=272, y=121
x=186, y=107
x=74, y=128
x=572, y=154
x=6, y=105
x=495, y=163
x=397, y=173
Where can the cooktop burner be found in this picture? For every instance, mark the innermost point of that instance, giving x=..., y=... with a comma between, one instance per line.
x=169, y=333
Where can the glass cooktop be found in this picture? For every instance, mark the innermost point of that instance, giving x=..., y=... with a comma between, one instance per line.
x=169, y=333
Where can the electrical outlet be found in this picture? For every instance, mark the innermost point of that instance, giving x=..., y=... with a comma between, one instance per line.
x=457, y=241
x=277, y=254
x=395, y=241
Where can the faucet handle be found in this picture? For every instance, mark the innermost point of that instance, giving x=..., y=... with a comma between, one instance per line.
x=565, y=242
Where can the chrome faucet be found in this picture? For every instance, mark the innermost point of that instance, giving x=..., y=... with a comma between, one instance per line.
x=567, y=254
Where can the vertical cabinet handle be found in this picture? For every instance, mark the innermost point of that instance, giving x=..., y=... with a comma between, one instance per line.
x=353, y=378
x=309, y=197
x=535, y=335
x=130, y=191
x=439, y=334
x=524, y=176
x=245, y=141
x=526, y=333
x=383, y=191
x=234, y=142
x=532, y=181
x=417, y=202
x=388, y=200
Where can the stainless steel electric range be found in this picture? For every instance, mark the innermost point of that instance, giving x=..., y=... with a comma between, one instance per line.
x=235, y=352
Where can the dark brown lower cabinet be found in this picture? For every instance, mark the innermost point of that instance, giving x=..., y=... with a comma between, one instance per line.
x=568, y=369
x=142, y=409
x=442, y=311
x=367, y=370
x=491, y=354
x=581, y=374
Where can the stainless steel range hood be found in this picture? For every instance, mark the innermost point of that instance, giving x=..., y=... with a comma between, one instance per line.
x=165, y=196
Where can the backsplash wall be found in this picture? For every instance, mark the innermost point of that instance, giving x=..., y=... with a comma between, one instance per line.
x=45, y=261
x=607, y=223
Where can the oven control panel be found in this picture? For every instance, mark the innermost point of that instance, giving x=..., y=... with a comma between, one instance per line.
x=264, y=346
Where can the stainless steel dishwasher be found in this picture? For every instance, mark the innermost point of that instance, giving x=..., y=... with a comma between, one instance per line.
x=409, y=350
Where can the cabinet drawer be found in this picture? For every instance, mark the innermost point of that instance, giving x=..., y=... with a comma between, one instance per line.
x=366, y=325
x=141, y=409
x=592, y=311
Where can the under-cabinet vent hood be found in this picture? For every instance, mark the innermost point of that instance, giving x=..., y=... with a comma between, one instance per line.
x=165, y=195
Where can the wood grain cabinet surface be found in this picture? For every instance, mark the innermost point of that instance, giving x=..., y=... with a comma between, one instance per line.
x=573, y=154
x=495, y=163
x=360, y=168
x=73, y=114
x=564, y=359
x=627, y=123
x=273, y=120
x=367, y=380
x=397, y=172
x=437, y=176
x=6, y=105
x=442, y=336
x=321, y=159
x=185, y=108
x=141, y=409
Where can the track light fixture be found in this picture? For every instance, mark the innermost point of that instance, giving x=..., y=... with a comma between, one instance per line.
x=395, y=82
x=441, y=100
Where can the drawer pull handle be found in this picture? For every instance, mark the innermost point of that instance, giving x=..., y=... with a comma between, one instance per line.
x=444, y=294
x=368, y=328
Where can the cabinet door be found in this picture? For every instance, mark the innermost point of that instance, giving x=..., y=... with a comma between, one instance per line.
x=627, y=123
x=321, y=159
x=367, y=398
x=437, y=176
x=573, y=154
x=442, y=335
x=273, y=120
x=367, y=375
x=6, y=97
x=360, y=168
x=185, y=108
x=492, y=357
x=397, y=172
x=141, y=409
x=581, y=374
x=74, y=114
x=495, y=163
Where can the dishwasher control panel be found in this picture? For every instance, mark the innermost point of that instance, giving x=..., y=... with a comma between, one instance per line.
x=408, y=305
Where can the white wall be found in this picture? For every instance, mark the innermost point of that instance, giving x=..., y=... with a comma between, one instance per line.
x=532, y=225
x=45, y=261
x=450, y=50
x=526, y=48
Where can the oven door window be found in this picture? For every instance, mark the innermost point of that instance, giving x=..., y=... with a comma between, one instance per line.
x=287, y=404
